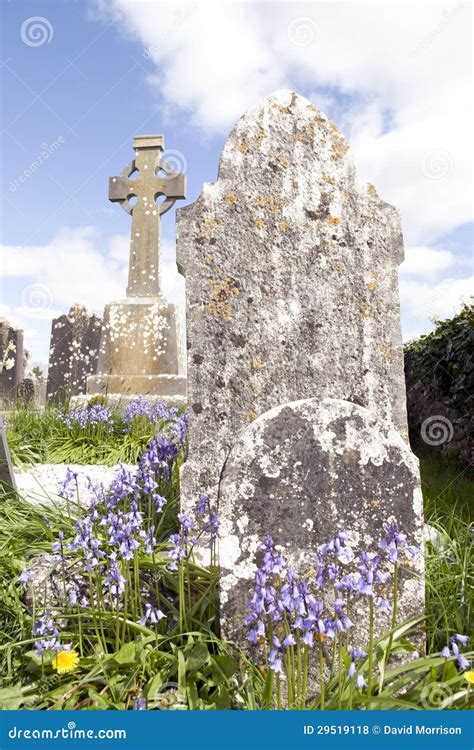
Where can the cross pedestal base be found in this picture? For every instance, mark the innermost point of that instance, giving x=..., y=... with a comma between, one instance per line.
x=140, y=351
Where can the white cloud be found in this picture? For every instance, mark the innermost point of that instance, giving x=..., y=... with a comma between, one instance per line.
x=404, y=69
x=421, y=302
x=425, y=261
x=76, y=266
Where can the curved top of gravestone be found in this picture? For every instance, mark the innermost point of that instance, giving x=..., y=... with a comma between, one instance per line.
x=286, y=140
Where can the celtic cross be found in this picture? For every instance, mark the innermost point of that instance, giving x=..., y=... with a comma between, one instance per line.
x=146, y=178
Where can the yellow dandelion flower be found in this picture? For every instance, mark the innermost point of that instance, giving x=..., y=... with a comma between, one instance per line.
x=469, y=676
x=65, y=661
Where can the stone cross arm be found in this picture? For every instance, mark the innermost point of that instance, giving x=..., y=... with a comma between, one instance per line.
x=123, y=187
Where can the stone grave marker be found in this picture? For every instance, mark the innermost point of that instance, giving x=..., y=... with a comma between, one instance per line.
x=12, y=351
x=140, y=350
x=7, y=476
x=291, y=268
x=74, y=351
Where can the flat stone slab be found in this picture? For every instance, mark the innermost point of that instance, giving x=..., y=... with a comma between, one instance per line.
x=40, y=484
x=302, y=472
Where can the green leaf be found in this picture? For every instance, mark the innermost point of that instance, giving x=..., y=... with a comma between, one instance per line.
x=127, y=654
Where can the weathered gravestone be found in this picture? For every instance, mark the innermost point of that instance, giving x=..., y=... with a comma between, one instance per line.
x=291, y=272
x=7, y=476
x=73, y=354
x=12, y=356
x=140, y=350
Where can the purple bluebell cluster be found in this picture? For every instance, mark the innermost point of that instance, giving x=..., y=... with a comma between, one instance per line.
x=89, y=416
x=46, y=633
x=118, y=523
x=452, y=651
x=394, y=545
x=283, y=605
x=288, y=610
x=154, y=412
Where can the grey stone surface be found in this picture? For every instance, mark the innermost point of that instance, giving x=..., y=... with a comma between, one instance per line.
x=12, y=351
x=302, y=472
x=74, y=351
x=140, y=348
x=7, y=476
x=291, y=269
x=32, y=390
x=41, y=483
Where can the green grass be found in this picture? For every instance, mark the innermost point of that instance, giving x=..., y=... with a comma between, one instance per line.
x=448, y=494
x=189, y=662
x=43, y=437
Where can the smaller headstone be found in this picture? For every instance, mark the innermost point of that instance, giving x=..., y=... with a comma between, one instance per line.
x=7, y=475
x=301, y=473
x=26, y=391
x=75, y=342
x=12, y=360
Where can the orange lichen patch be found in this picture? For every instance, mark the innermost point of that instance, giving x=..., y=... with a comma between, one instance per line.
x=270, y=203
x=339, y=267
x=329, y=178
x=339, y=144
x=259, y=223
x=257, y=364
x=283, y=161
x=243, y=148
x=373, y=283
x=375, y=503
x=284, y=225
x=283, y=110
x=208, y=258
x=250, y=416
x=364, y=310
x=386, y=352
x=332, y=219
x=207, y=225
x=231, y=199
x=221, y=293
x=372, y=190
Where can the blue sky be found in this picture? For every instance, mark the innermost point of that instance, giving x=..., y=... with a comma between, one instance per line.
x=92, y=74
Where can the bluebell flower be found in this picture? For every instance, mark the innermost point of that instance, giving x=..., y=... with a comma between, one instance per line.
x=25, y=577
x=140, y=704
x=152, y=614
x=202, y=505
